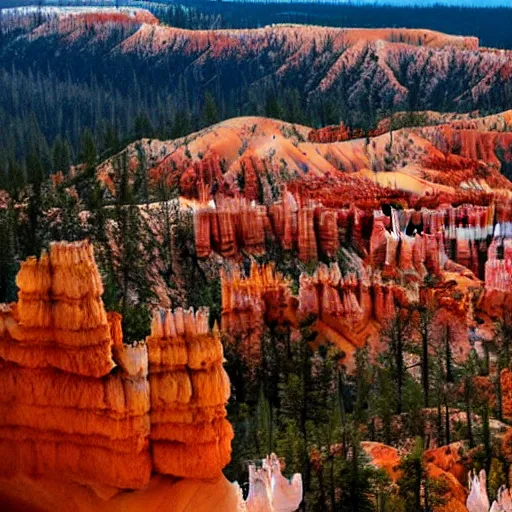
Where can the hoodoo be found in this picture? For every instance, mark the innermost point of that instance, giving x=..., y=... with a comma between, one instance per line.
x=190, y=435
x=66, y=413
x=78, y=405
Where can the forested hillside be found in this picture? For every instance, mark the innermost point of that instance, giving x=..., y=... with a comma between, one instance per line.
x=123, y=77
x=490, y=23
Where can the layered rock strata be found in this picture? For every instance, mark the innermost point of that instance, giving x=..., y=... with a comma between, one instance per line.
x=64, y=413
x=415, y=242
x=498, y=268
x=190, y=435
x=235, y=225
x=78, y=404
x=250, y=302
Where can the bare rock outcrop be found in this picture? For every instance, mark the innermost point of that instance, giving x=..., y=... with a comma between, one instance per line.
x=190, y=435
x=65, y=414
x=79, y=405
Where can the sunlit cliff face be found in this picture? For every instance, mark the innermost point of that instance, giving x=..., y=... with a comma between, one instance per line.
x=79, y=405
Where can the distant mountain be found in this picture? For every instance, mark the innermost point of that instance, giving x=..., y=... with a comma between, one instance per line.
x=101, y=68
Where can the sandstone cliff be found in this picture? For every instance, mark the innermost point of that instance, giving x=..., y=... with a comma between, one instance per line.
x=80, y=406
x=66, y=414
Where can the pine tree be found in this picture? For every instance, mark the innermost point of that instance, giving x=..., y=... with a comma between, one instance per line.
x=68, y=226
x=502, y=344
x=15, y=179
x=210, y=112
x=419, y=492
x=141, y=183
x=469, y=394
x=383, y=401
x=60, y=156
x=111, y=143
x=8, y=264
x=182, y=124
x=273, y=106
x=130, y=261
x=423, y=325
x=33, y=239
x=363, y=386
x=396, y=333
x=88, y=152
x=142, y=127
x=265, y=418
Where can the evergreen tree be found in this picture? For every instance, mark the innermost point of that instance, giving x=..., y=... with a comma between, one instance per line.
x=112, y=143
x=424, y=322
x=142, y=127
x=210, y=112
x=273, y=107
x=469, y=394
x=502, y=344
x=61, y=157
x=418, y=492
x=8, y=263
x=383, y=401
x=130, y=262
x=15, y=179
x=88, y=152
x=68, y=225
x=265, y=425
x=396, y=333
x=32, y=239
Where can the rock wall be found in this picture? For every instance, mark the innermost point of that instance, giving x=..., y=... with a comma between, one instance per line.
x=498, y=268
x=349, y=306
x=444, y=464
x=249, y=303
x=345, y=306
x=415, y=241
x=76, y=401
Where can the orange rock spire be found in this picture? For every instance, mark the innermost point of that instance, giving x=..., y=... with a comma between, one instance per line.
x=64, y=412
x=190, y=434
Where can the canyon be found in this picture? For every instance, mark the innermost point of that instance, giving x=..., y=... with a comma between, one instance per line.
x=354, y=280
x=254, y=186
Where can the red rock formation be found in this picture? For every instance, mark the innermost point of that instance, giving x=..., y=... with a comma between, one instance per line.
x=234, y=225
x=332, y=134
x=190, y=435
x=228, y=228
x=66, y=414
x=326, y=222
x=445, y=464
x=206, y=171
x=306, y=239
x=348, y=304
x=251, y=167
x=61, y=412
x=498, y=271
x=250, y=302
